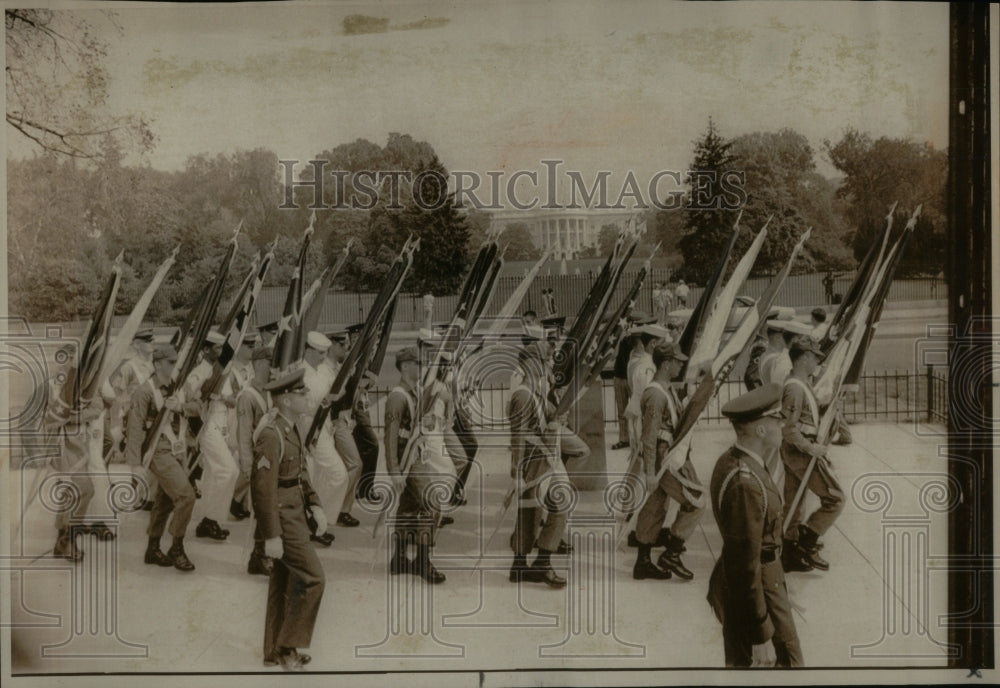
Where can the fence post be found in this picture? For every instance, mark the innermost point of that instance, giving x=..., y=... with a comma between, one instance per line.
x=930, y=394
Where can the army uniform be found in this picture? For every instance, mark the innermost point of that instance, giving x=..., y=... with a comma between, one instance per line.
x=660, y=409
x=251, y=405
x=174, y=493
x=748, y=584
x=797, y=448
x=366, y=440
x=281, y=494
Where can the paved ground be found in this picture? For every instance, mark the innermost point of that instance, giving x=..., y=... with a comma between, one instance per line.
x=879, y=604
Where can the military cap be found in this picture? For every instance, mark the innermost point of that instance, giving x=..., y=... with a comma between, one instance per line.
x=165, y=353
x=760, y=402
x=289, y=382
x=250, y=338
x=337, y=336
x=355, y=328
x=803, y=343
x=665, y=350
x=215, y=337
x=268, y=327
x=318, y=341
x=262, y=353
x=408, y=353
x=818, y=314
x=145, y=334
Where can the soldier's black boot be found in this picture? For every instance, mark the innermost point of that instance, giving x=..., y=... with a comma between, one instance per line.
x=541, y=571
x=178, y=557
x=645, y=568
x=65, y=546
x=793, y=559
x=238, y=511
x=670, y=560
x=400, y=564
x=260, y=564
x=808, y=543
x=154, y=555
x=518, y=568
x=423, y=567
x=211, y=529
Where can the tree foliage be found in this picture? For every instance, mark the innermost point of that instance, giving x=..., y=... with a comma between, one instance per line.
x=57, y=85
x=883, y=171
x=520, y=246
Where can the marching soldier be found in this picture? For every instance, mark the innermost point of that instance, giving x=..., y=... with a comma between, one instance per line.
x=343, y=438
x=251, y=405
x=416, y=515
x=660, y=415
x=174, y=493
x=536, y=470
x=327, y=469
x=747, y=588
x=243, y=374
x=798, y=449
x=281, y=496
x=365, y=437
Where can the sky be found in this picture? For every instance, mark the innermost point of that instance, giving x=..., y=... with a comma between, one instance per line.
x=501, y=86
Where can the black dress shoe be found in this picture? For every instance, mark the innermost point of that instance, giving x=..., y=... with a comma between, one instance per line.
x=210, y=529
x=619, y=445
x=671, y=561
x=347, y=521
x=180, y=559
x=793, y=558
x=543, y=574
x=157, y=557
x=646, y=569
x=238, y=511
x=425, y=569
x=260, y=565
x=633, y=541
x=326, y=539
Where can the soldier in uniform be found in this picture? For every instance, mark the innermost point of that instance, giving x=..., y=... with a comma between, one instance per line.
x=281, y=496
x=660, y=415
x=798, y=449
x=365, y=437
x=416, y=516
x=747, y=589
x=268, y=333
x=251, y=405
x=174, y=493
x=327, y=469
x=343, y=437
x=537, y=470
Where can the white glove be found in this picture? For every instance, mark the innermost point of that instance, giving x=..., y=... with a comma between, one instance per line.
x=321, y=522
x=273, y=548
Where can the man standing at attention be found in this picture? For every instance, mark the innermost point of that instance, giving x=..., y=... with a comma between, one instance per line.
x=747, y=588
x=281, y=496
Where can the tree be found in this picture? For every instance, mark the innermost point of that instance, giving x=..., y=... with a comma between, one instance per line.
x=707, y=226
x=520, y=246
x=880, y=172
x=57, y=85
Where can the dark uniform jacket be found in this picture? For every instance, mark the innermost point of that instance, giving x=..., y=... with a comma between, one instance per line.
x=400, y=407
x=748, y=509
x=799, y=433
x=278, y=462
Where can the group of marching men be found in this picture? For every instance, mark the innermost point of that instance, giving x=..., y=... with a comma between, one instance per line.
x=752, y=486
x=249, y=445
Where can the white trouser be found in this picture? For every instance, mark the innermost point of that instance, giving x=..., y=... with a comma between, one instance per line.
x=221, y=471
x=328, y=474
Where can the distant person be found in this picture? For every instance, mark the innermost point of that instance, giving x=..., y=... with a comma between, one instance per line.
x=530, y=318
x=662, y=299
x=828, y=286
x=817, y=319
x=682, y=292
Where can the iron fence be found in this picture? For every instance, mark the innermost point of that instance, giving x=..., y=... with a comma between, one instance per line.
x=887, y=396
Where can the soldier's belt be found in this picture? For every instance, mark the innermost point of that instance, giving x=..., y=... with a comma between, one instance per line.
x=288, y=482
